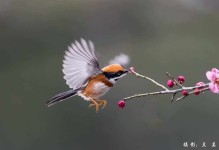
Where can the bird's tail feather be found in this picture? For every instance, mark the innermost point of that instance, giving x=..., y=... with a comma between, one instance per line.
x=61, y=97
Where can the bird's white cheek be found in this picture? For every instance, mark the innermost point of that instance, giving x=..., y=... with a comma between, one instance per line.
x=113, y=81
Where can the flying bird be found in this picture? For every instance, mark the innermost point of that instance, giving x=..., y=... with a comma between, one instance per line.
x=84, y=76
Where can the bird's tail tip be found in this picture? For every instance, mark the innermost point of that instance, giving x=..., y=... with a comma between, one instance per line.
x=60, y=97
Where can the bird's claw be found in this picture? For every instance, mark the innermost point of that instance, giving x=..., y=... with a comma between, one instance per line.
x=95, y=104
x=102, y=102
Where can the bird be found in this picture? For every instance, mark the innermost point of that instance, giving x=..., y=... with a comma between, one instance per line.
x=84, y=76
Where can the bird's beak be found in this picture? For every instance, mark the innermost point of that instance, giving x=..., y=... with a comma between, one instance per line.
x=126, y=71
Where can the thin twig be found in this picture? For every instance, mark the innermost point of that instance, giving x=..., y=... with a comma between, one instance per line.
x=182, y=97
x=145, y=94
x=173, y=96
x=153, y=81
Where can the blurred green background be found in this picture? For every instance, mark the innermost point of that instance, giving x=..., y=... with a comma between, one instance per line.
x=179, y=36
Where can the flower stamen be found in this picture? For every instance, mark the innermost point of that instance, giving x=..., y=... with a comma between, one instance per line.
x=217, y=81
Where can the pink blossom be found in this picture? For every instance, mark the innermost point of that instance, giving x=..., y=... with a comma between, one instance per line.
x=213, y=76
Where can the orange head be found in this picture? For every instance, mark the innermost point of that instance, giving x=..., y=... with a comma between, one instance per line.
x=113, y=68
x=114, y=72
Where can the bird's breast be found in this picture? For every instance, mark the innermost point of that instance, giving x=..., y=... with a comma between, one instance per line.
x=97, y=87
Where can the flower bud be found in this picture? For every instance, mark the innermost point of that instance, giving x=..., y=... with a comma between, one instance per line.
x=185, y=93
x=181, y=79
x=200, y=84
x=131, y=69
x=121, y=104
x=196, y=91
x=170, y=83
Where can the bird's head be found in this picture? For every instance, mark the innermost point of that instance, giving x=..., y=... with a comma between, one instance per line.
x=114, y=72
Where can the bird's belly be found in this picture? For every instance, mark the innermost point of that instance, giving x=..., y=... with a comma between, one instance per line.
x=95, y=91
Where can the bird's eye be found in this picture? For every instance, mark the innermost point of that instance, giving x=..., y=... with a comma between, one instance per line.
x=119, y=73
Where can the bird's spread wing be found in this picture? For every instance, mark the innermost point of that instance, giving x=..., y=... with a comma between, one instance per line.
x=121, y=59
x=80, y=62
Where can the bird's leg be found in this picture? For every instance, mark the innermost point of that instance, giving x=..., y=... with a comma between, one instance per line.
x=102, y=102
x=94, y=104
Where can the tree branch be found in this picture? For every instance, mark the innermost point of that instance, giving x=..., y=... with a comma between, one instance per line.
x=185, y=91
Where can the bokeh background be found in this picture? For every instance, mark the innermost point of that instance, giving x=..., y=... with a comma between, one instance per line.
x=179, y=36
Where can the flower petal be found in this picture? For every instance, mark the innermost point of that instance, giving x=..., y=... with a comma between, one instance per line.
x=212, y=87
x=216, y=88
x=213, y=77
x=215, y=70
x=217, y=75
x=209, y=75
